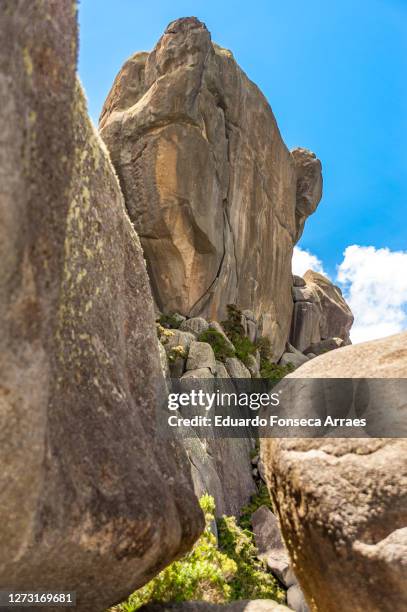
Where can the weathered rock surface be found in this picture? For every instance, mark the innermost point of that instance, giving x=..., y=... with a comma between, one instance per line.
x=319, y=348
x=384, y=358
x=342, y=503
x=87, y=497
x=221, y=467
x=298, y=281
x=253, y=366
x=215, y=326
x=164, y=361
x=293, y=356
x=236, y=369
x=309, y=186
x=216, y=197
x=201, y=356
x=256, y=605
x=195, y=325
x=336, y=316
x=199, y=373
x=305, y=328
x=295, y=599
x=269, y=543
x=320, y=313
x=296, y=359
x=272, y=550
x=175, y=337
x=221, y=371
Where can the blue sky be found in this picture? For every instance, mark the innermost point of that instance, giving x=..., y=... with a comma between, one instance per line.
x=335, y=74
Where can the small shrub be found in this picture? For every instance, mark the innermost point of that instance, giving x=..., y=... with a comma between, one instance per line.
x=211, y=573
x=233, y=324
x=177, y=352
x=273, y=371
x=163, y=333
x=263, y=345
x=251, y=581
x=218, y=343
x=244, y=347
x=204, y=573
x=235, y=332
x=170, y=321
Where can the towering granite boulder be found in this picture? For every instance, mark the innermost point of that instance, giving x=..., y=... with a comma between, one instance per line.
x=342, y=503
x=309, y=186
x=89, y=499
x=216, y=197
x=320, y=314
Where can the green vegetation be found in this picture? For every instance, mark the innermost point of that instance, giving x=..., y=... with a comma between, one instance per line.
x=235, y=332
x=170, y=321
x=233, y=324
x=244, y=347
x=177, y=352
x=263, y=345
x=273, y=371
x=204, y=573
x=252, y=581
x=218, y=343
x=209, y=573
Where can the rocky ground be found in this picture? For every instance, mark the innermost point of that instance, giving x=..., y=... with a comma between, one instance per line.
x=177, y=218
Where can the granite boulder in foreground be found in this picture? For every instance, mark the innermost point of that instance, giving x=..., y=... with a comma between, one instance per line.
x=342, y=503
x=89, y=500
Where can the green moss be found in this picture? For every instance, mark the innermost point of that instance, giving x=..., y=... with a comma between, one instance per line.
x=218, y=343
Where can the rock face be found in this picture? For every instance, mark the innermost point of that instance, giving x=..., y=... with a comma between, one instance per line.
x=309, y=186
x=342, y=503
x=216, y=197
x=219, y=466
x=269, y=544
x=320, y=314
x=272, y=550
x=88, y=498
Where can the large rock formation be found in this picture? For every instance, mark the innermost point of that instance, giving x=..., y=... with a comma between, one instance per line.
x=320, y=314
x=89, y=499
x=342, y=503
x=219, y=466
x=216, y=197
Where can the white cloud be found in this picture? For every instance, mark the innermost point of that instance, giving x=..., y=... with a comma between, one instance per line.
x=375, y=286
x=374, y=283
x=304, y=260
